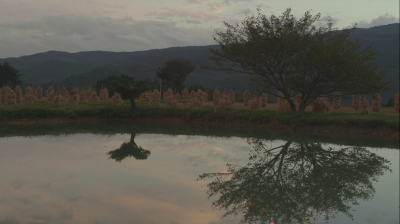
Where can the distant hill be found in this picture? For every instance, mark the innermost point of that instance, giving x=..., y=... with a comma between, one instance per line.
x=83, y=69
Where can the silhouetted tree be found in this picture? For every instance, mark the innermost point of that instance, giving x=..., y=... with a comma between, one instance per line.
x=174, y=73
x=293, y=54
x=126, y=86
x=129, y=149
x=296, y=183
x=9, y=75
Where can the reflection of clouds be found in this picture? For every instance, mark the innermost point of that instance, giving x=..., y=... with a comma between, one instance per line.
x=57, y=183
x=50, y=183
x=9, y=220
x=74, y=199
x=195, y=160
x=24, y=201
x=216, y=149
x=169, y=143
x=16, y=185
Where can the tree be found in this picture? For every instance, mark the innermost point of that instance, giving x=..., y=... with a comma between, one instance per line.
x=113, y=81
x=129, y=149
x=126, y=86
x=296, y=182
x=9, y=75
x=294, y=56
x=174, y=73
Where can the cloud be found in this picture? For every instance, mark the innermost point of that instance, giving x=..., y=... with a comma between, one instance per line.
x=327, y=18
x=245, y=11
x=220, y=2
x=85, y=33
x=230, y=2
x=220, y=6
x=9, y=221
x=381, y=20
x=193, y=21
x=23, y=200
x=219, y=10
x=171, y=13
x=194, y=1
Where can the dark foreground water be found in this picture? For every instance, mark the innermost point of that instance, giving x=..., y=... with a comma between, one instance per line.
x=200, y=175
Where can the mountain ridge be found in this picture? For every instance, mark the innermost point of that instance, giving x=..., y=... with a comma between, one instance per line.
x=84, y=68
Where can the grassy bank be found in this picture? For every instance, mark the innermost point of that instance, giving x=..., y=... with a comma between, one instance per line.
x=203, y=114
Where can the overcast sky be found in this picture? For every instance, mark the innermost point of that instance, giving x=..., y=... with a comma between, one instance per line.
x=33, y=26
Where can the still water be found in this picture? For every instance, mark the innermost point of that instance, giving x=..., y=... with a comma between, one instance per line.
x=145, y=175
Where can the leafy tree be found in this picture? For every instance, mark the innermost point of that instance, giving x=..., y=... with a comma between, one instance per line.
x=112, y=81
x=126, y=86
x=294, y=56
x=129, y=149
x=296, y=182
x=9, y=75
x=174, y=73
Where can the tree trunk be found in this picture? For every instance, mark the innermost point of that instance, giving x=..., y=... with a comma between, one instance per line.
x=292, y=105
x=133, y=137
x=133, y=105
x=302, y=106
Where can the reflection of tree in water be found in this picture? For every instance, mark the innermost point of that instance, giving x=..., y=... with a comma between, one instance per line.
x=129, y=149
x=296, y=183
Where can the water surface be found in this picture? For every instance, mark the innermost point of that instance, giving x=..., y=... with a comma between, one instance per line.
x=115, y=174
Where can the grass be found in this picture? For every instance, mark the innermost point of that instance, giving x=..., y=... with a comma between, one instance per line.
x=42, y=110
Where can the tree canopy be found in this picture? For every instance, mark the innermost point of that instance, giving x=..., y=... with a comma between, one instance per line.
x=129, y=149
x=125, y=85
x=296, y=182
x=9, y=75
x=293, y=56
x=174, y=72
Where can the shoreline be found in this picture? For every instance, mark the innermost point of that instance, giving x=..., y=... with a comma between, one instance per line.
x=112, y=127
x=333, y=129
x=335, y=123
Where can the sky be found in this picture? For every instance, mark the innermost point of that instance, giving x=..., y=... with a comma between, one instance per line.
x=33, y=26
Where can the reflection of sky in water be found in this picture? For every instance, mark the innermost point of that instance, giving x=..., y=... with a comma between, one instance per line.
x=69, y=179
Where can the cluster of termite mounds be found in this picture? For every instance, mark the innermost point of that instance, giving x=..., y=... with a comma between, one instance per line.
x=77, y=95
x=9, y=96
x=255, y=102
x=363, y=107
x=14, y=96
x=151, y=97
x=319, y=105
x=194, y=98
x=223, y=99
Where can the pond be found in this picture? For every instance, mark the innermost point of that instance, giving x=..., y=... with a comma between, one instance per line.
x=174, y=174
